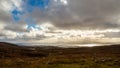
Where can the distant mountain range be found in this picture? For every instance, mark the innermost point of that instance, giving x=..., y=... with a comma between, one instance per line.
x=8, y=50
x=12, y=50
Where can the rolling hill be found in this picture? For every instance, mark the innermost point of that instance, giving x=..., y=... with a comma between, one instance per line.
x=14, y=56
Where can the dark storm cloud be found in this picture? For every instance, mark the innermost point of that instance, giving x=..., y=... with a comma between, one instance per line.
x=92, y=14
x=78, y=14
x=15, y=27
x=4, y=16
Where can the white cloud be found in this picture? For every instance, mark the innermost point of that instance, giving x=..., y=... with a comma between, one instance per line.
x=61, y=2
x=2, y=25
x=17, y=3
x=48, y=33
x=9, y=34
x=65, y=2
x=9, y=5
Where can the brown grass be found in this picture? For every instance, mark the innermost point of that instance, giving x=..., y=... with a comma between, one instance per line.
x=13, y=56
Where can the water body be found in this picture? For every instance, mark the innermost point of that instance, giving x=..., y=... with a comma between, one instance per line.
x=65, y=45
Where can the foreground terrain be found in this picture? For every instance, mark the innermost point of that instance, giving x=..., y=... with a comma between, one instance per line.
x=13, y=56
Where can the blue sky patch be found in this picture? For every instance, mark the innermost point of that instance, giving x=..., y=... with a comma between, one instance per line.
x=28, y=6
x=16, y=14
x=38, y=3
x=31, y=24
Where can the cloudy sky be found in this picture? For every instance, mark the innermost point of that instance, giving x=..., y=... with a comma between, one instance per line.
x=60, y=21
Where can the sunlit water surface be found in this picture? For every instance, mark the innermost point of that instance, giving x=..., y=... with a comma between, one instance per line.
x=67, y=45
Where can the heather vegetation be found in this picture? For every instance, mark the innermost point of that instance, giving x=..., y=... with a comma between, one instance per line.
x=13, y=56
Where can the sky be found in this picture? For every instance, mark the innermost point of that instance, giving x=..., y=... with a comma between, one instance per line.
x=60, y=21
